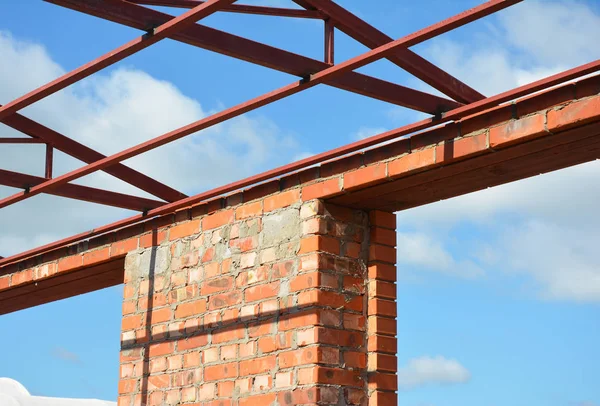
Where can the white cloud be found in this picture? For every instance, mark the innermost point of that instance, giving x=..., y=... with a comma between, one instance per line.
x=544, y=228
x=110, y=112
x=427, y=252
x=432, y=370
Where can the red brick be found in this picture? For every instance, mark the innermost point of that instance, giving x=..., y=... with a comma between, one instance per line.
x=382, y=219
x=323, y=189
x=382, y=362
x=96, y=256
x=221, y=371
x=382, y=253
x=520, y=130
x=215, y=285
x=382, y=289
x=123, y=247
x=224, y=300
x=131, y=322
x=184, y=229
x=378, y=398
x=256, y=400
x=127, y=386
x=355, y=359
x=298, y=397
x=382, y=325
x=377, y=343
x=386, y=272
x=192, y=342
x=157, y=350
x=383, y=236
x=23, y=277
x=260, y=292
x=153, y=239
x=381, y=307
x=577, y=113
x=195, y=308
x=366, y=176
x=229, y=334
x=68, y=263
x=282, y=199
x=416, y=160
x=313, y=280
x=319, y=243
x=461, y=148
x=382, y=381
x=330, y=376
x=257, y=365
x=217, y=219
x=160, y=315
x=249, y=210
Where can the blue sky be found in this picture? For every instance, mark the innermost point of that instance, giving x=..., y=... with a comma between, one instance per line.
x=499, y=291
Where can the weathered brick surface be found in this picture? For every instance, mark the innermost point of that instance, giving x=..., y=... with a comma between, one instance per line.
x=265, y=303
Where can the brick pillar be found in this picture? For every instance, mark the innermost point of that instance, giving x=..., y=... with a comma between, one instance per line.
x=382, y=326
x=261, y=304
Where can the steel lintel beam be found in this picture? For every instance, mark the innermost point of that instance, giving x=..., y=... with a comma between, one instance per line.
x=78, y=192
x=154, y=35
x=239, y=8
x=317, y=159
x=371, y=37
x=231, y=45
x=43, y=134
x=285, y=91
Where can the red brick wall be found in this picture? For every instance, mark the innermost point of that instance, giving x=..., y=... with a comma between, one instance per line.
x=277, y=301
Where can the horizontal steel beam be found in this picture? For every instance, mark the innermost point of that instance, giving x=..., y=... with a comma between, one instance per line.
x=238, y=8
x=88, y=155
x=371, y=37
x=317, y=159
x=78, y=192
x=155, y=34
x=21, y=141
x=261, y=54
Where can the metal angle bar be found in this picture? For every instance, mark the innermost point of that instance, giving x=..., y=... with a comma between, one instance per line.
x=152, y=37
x=319, y=158
x=78, y=192
x=88, y=155
x=21, y=141
x=329, y=42
x=49, y=161
x=260, y=101
x=238, y=8
x=371, y=37
x=261, y=54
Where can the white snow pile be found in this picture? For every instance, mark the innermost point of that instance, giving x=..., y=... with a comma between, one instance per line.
x=12, y=393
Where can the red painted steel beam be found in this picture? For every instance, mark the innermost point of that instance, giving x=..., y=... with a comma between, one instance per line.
x=49, y=161
x=329, y=42
x=78, y=192
x=316, y=159
x=371, y=37
x=154, y=35
x=238, y=8
x=261, y=54
x=77, y=150
x=21, y=141
x=285, y=91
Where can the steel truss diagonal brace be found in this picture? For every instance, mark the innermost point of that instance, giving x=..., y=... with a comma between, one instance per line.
x=320, y=77
x=221, y=42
